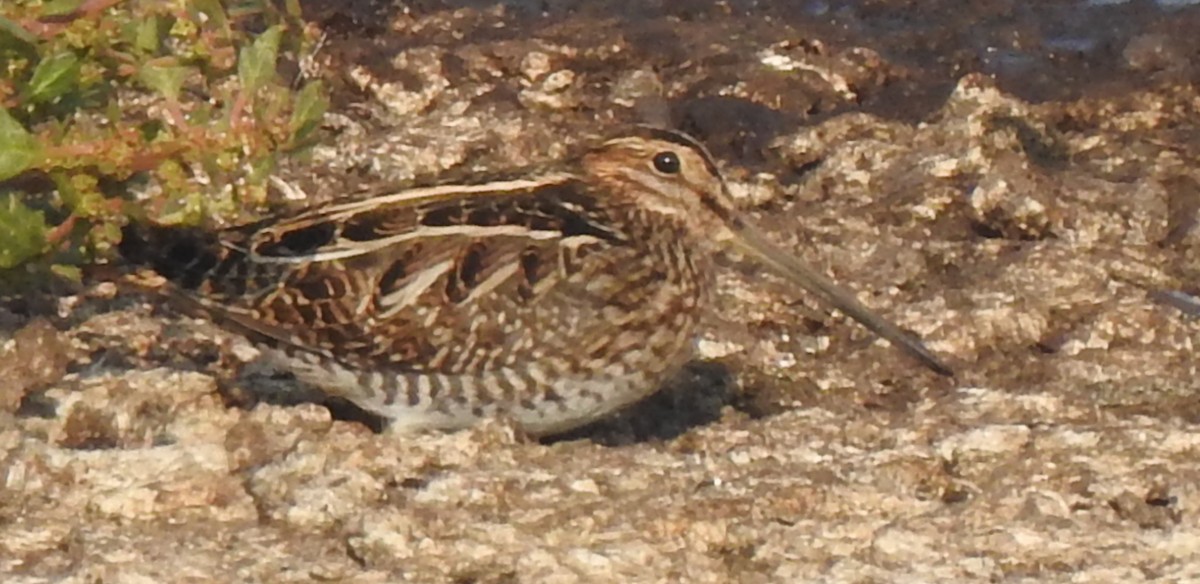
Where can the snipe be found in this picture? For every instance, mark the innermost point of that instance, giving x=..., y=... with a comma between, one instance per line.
x=554, y=298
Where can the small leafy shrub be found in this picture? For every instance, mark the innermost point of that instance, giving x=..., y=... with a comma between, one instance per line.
x=179, y=100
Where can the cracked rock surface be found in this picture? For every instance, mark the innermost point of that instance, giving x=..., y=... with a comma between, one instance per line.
x=1027, y=207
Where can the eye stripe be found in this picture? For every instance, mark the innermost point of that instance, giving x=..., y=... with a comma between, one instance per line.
x=715, y=206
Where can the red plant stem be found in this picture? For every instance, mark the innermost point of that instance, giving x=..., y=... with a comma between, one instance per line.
x=93, y=7
x=175, y=113
x=236, y=110
x=60, y=232
x=51, y=27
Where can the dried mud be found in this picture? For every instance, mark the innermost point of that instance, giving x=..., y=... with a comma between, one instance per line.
x=1028, y=209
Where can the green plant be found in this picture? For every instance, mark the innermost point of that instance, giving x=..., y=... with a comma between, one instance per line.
x=178, y=100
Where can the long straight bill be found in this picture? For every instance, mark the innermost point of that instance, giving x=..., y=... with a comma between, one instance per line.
x=753, y=242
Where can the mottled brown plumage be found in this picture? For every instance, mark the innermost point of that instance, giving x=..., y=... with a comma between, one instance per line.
x=555, y=298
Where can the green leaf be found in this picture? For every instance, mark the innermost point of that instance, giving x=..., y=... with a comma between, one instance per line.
x=213, y=11
x=72, y=273
x=54, y=76
x=80, y=193
x=22, y=232
x=256, y=63
x=292, y=7
x=13, y=35
x=18, y=148
x=308, y=110
x=61, y=7
x=148, y=35
x=164, y=77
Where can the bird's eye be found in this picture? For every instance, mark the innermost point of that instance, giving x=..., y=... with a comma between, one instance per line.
x=666, y=162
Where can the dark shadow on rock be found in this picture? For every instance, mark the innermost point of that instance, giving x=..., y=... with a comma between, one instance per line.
x=692, y=398
x=280, y=388
x=345, y=410
x=37, y=405
x=733, y=128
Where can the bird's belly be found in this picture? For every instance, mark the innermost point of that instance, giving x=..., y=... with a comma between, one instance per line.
x=538, y=395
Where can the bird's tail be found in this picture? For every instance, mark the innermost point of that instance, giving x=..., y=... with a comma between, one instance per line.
x=188, y=257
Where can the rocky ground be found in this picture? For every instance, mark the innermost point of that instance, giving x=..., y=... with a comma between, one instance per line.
x=1021, y=192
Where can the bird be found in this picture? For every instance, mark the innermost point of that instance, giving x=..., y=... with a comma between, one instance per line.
x=553, y=296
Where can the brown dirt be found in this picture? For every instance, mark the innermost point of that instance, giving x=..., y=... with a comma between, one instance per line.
x=1021, y=192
